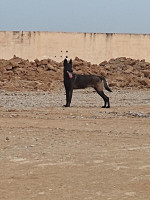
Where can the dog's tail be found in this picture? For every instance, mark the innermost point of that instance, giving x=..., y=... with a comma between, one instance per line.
x=105, y=84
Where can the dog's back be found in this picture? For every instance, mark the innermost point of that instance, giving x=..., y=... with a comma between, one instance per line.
x=84, y=81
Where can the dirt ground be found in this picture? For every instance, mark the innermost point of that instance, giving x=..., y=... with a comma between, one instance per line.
x=83, y=152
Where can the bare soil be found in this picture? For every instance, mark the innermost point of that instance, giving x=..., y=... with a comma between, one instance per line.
x=83, y=152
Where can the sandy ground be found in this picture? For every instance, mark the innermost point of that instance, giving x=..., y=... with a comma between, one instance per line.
x=83, y=152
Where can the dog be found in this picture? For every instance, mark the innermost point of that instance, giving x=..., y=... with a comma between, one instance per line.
x=76, y=81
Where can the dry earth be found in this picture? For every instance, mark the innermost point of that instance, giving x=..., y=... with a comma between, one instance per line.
x=83, y=152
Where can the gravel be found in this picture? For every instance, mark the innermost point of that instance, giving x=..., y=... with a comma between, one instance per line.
x=81, y=98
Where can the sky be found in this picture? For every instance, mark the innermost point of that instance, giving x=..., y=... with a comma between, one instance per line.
x=94, y=16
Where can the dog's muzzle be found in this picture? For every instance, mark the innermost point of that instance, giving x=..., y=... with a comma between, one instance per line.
x=69, y=74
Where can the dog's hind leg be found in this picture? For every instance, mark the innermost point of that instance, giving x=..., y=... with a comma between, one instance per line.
x=105, y=98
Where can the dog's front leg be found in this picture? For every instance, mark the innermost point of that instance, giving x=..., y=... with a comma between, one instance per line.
x=68, y=96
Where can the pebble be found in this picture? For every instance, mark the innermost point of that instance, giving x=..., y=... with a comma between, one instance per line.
x=29, y=100
x=7, y=139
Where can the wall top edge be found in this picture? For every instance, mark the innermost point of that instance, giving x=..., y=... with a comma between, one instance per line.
x=63, y=32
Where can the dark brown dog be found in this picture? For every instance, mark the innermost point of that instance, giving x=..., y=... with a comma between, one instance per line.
x=76, y=81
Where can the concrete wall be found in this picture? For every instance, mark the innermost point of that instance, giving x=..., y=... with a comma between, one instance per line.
x=93, y=47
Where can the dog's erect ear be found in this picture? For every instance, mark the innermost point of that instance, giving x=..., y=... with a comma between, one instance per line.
x=65, y=62
x=70, y=62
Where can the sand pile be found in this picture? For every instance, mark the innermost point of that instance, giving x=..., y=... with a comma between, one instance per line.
x=121, y=72
x=18, y=74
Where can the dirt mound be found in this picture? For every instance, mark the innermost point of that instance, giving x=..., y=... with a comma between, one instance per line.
x=19, y=74
x=121, y=72
x=127, y=72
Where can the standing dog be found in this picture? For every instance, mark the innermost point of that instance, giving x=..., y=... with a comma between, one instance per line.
x=76, y=81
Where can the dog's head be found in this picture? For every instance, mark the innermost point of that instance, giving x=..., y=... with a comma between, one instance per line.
x=68, y=68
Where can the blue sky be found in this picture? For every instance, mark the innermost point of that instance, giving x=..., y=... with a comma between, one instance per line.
x=97, y=16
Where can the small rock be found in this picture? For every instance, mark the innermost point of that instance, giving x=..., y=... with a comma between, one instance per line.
x=7, y=139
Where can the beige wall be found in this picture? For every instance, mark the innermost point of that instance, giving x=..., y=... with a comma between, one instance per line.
x=88, y=46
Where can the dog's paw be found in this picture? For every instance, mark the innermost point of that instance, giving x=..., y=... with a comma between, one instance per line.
x=66, y=105
x=105, y=106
